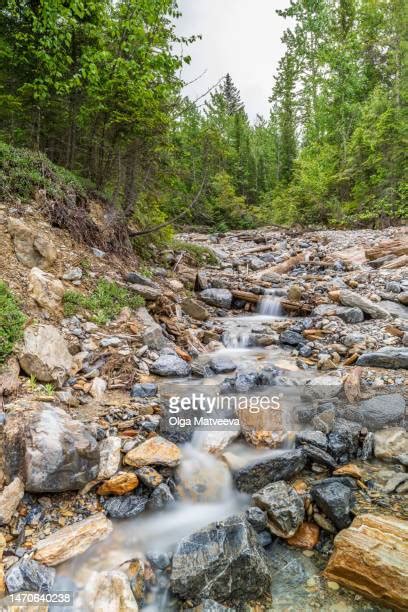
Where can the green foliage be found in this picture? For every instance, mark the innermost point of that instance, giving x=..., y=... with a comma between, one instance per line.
x=104, y=303
x=199, y=254
x=12, y=322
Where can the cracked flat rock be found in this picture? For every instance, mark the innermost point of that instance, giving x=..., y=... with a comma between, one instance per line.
x=154, y=451
x=72, y=540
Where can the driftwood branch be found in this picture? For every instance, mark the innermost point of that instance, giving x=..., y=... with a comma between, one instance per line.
x=156, y=228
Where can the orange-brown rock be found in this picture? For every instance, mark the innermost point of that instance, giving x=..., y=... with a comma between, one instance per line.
x=154, y=451
x=307, y=536
x=121, y=483
x=371, y=557
x=350, y=469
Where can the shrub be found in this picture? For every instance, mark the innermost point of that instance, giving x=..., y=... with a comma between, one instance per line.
x=12, y=322
x=104, y=303
x=199, y=254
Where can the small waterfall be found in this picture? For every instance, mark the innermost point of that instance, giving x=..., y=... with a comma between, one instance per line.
x=236, y=339
x=270, y=305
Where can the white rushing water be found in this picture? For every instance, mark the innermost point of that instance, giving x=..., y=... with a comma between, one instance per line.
x=270, y=305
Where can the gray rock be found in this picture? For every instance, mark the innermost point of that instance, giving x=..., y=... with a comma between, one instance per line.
x=403, y=298
x=170, y=365
x=257, y=518
x=387, y=357
x=318, y=455
x=29, y=575
x=73, y=274
x=283, y=506
x=160, y=498
x=224, y=561
x=395, y=309
x=316, y=438
x=350, y=298
x=347, y=314
x=292, y=338
x=49, y=450
x=147, y=292
x=378, y=412
x=139, y=279
x=221, y=298
x=144, y=390
x=393, y=287
x=152, y=332
x=126, y=506
x=222, y=365
x=323, y=387
x=194, y=309
x=334, y=499
x=280, y=465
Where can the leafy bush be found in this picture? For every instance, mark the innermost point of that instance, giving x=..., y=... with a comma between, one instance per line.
x=104, y=303
x=199, y=254
x=12, y=322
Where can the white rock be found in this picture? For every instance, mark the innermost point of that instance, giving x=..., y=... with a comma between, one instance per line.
x=45, y=289
x=10, y=497
x=109, y=462
x=109, y=592
x=98, y=388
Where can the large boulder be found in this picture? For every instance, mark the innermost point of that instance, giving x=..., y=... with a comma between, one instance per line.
x=354, y=300
x=387, y=357
x=220, y=298
x=45, y=289
x=279, y=465
x=45, y=354
x=32, y=248
x=283, y=506
x=224, y=562
x=170, y=365
x=378, y=412
x=48, y=449
x=371, y=557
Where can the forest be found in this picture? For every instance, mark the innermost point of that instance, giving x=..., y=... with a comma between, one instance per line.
x=95, y=86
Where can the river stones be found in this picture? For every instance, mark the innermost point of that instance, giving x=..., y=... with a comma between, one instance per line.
x=154, y=451
x=124, y=507
x=371, y=557
x=291, y=337
x=28, y=575
x=387, y=357
x=220, y=298
x=49, y=450
x=170, y=365
x=222, y=365
x=334, y=499
x=378, y=412
x=120, y=484
x=280, y=465
x=224, y=562
x=283, y=506
x=316, y=438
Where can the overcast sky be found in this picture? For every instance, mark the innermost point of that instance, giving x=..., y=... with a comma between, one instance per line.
x=241, y=37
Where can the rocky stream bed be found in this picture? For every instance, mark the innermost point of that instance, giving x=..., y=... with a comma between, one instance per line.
x=300, y=507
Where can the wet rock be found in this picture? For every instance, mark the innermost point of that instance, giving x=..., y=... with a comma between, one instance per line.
x=125, y=507
x=194, y=309
x=72, y=540
x=283, y=506
x=367, y=448
x=224, y=562
x=318, y=455
x=10, y=498
x=160, y=498
x=378, y=412
x=32, y=249
x=45, y=354
x=144, y=390
x=221, y=365
x=28, y=575
x=292, y=338
x=387, y=357
x=109, y=457
x=391, y=445
x=306, y=537
x=280, y=465
x=48, y=449
x=45, y=289
x=370, y=557
x=154, y=451
x=220, y=298
x=170, y=365
x=215, y=441
x=316, y=438
x=109, y=591
x=350, y=298
x=343, y=440
x=349, y=470
x=334, y=499
x=257, y=518
x=394, y=482
x=120, y=484
x=200, y=370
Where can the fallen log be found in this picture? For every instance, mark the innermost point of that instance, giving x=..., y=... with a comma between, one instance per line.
x=287, y=265
x=246, y=296
x=388, y=247
x=399, y=262
x=298, y=307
